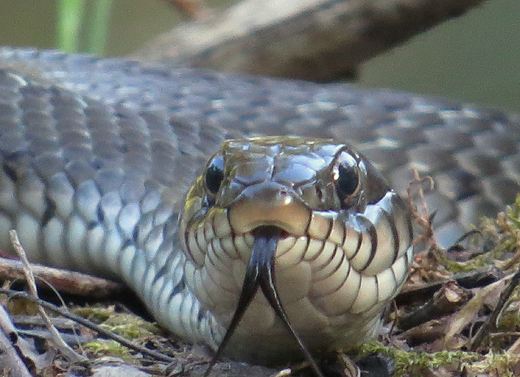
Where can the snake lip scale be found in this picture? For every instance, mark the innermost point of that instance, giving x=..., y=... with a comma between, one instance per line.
x=114, y=167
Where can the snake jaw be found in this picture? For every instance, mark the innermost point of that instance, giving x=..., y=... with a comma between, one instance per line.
x=260, y=273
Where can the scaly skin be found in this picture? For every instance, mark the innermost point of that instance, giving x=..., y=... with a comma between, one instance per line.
x=97, y=156
x=338, y=264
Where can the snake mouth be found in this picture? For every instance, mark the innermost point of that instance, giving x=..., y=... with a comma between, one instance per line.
x=260, y=273
x=274, y=231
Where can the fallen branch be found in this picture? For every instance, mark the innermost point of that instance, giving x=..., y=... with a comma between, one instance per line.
x=471, y=279
x=319, y=40
x=65, y=281
x=444, y=302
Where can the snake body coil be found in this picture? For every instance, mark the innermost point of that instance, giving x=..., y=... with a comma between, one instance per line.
x=97, y=157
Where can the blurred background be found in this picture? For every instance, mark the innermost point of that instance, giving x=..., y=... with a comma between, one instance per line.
x=475, y=58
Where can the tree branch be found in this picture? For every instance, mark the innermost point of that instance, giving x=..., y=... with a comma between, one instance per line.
x=317, y=40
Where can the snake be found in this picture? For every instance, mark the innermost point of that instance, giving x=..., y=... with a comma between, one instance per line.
x=198, y=188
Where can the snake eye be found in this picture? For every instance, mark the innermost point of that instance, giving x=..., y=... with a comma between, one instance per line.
x=214, y=175
x=345, y=175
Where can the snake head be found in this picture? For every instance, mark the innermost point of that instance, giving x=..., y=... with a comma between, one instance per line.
x=336, y=245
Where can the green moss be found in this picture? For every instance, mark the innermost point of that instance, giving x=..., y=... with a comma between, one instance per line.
x=96, y=313
x=127, y=325
x=495, y=364
x=509, y=319
x=505, y=230
x=130, y=326
x=413, y=363
x=104, y=347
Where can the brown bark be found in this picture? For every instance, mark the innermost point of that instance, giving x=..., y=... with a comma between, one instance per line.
x=315, y=39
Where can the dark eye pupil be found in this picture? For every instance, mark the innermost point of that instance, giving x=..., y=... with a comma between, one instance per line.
x=214, y=176
x=347, y=181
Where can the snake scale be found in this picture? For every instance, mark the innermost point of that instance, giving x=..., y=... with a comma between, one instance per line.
x=98, y=155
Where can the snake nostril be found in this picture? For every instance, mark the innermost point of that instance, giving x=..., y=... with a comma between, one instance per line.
x=319, y=194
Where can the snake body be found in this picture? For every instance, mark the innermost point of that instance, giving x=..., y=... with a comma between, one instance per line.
x=98, y=154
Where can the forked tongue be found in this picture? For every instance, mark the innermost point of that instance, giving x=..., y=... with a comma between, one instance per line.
x=260, y=273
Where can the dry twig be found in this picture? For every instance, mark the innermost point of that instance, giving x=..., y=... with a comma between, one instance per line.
x=10, y=357
x=58, y=341
x=491, y=321
x=422, y=216
x=444, y=302
x=65, y=281
x=85, y=322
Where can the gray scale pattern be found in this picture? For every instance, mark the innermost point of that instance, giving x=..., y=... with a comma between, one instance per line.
x=471, y=152
x=97, y=155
